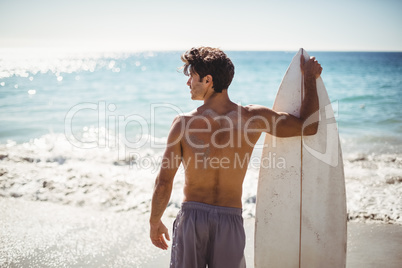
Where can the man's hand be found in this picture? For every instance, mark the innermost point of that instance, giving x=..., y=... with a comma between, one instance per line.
x=311, y=68
x=156, y=234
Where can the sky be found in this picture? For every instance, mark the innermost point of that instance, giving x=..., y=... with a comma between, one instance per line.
x=320, y=25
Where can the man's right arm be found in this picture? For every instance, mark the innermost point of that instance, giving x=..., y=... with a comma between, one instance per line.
x=282, y=124
x=311, y=70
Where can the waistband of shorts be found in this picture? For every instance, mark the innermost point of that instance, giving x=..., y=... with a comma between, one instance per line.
x=211, y=208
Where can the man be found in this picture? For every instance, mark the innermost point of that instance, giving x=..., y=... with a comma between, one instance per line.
x=215, y=143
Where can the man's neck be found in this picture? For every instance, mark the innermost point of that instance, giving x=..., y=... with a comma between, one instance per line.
x=216, y=100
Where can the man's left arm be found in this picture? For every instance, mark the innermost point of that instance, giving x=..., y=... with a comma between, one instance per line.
x=163, y=184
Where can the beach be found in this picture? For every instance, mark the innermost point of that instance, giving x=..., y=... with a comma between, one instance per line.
x=41, y=234
x=82, y=137
x=61, y=206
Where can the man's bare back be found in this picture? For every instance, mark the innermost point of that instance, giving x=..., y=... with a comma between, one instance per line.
x=216, y=151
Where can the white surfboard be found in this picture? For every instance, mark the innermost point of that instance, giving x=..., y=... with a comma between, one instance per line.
x=301, y=205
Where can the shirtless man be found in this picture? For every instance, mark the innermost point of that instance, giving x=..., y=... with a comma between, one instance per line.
x=215, y=143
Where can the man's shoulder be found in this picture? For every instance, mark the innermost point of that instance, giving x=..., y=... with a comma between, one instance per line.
x=203, y=113
x=258, y=110
x=184, y=117
x=255, y=107
x=181, y=120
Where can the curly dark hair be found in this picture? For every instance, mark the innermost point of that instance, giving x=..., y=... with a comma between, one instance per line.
x=209, y=61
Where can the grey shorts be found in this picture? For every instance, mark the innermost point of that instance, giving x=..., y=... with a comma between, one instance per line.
x=208, y=235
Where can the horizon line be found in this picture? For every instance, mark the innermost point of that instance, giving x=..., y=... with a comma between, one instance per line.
x=140, y=50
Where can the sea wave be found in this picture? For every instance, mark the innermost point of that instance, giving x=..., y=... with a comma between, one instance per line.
x=51, y=169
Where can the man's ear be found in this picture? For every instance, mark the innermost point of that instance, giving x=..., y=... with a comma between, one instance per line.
x=208, y=79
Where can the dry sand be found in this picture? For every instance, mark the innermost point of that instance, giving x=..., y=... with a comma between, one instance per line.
x=42, y=234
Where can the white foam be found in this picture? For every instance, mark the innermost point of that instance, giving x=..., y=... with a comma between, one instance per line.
x=51, y=169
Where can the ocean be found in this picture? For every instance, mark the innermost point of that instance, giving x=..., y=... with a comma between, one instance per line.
x=89, y=129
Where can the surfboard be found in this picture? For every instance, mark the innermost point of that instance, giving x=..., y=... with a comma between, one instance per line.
x=301, y=215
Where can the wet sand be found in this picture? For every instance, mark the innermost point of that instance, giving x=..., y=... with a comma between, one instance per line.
x=43, y=234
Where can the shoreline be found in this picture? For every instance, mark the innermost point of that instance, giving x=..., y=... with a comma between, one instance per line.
x=52, y=235
x=51, y=169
